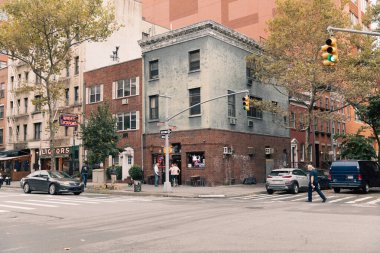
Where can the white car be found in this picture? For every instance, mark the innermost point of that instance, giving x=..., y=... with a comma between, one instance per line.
x=286, y=179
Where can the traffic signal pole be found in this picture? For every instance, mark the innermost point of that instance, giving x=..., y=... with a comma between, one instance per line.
x=331, y=30
x=167, y=185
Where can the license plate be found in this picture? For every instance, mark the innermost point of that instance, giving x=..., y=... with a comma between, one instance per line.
x=350, y=177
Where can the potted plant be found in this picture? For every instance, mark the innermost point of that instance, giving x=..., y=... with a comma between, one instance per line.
x=136, y=173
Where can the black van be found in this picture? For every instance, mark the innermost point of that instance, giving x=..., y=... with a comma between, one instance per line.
x=354, y=174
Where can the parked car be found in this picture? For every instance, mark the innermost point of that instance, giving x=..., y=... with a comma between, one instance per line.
x=323, y=179
x=354, y=174
x=52, y=182
x=286, y=179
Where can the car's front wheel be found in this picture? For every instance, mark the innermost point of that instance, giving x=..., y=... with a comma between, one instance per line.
x=77, y=193
x=26, y=188
x=295, y=188
x=269, y=191
x=336, y=189
x=52, y=189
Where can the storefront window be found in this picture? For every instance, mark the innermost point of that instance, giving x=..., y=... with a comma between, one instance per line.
x=196, y=160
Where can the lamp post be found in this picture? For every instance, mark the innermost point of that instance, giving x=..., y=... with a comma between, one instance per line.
x=73, y=151
x=167, y=185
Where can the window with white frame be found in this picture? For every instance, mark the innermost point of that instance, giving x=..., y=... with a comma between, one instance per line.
x=1, y=111
x=37, y=131
x=253, y=111
x=126, y=87
x=153, y=107
x=126, y=121
x=292, y=120
x=153, y=69
x=231, y=104
x=2, y=90
x=194, y=60
x=94, y=94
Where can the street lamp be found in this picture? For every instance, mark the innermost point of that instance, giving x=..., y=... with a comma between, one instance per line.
x=167, y=185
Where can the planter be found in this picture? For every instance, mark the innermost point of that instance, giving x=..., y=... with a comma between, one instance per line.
x=137, y=186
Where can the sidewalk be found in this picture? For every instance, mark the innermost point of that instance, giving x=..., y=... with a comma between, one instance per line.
x=182, y=191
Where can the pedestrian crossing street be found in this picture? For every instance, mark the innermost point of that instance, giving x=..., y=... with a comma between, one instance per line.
x=10, y=202
x=353, y=199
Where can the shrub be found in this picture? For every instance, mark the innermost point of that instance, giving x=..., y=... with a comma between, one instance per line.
x=136, y=172
x=118, y=172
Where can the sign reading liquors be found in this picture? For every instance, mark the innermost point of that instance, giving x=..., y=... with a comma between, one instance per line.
x=61, y=151
x=68, y=120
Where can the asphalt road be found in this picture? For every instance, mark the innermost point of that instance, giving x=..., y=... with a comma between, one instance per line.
x=36, y=223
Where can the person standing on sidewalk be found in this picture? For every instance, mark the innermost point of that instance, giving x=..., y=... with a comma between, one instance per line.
x=113, y=174
x=156, y=174
x=313, y=184
x=174, y=170
x=84, y=173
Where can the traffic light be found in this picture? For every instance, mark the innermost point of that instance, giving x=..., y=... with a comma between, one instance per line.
x=330, y=52
x=246, y=103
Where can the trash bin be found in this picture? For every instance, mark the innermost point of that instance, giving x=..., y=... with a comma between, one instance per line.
x=8, y=180
x=137, y=186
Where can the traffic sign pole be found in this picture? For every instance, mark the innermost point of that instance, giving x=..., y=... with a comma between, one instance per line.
x=167, y=185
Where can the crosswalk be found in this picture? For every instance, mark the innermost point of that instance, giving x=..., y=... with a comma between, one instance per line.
x=353, y=199
x=11, y=202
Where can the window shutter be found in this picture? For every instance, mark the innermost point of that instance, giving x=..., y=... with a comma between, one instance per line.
x=137, y=120
x=101, y=93
x=113, y=90
x=138, y=85
x=87, y=95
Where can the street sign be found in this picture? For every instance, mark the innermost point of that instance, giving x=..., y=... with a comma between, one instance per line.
x=164, y=135
x=166, y=131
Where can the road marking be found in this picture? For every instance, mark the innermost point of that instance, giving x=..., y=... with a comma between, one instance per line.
x=18, y=207
x=31, y=204
x=53, y=202
x=358, y=200
x=72, y=200
x=337, y=200
x=4, y=211
x=374, y=201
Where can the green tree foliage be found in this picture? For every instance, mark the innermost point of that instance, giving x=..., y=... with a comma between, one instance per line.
x=42, y=33
x=99, y=135
x=291, y=58
x=370, y=114
x=355, y=146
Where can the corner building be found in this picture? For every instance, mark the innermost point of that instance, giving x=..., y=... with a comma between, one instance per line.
x=217, y=140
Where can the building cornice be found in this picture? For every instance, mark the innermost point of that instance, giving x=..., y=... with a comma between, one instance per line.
x=196, y=31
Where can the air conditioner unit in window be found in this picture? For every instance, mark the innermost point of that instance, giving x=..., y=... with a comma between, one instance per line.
x=250, y=123
x=232, y=121
x=227, y=151
x=269, y=151
x=124, y=101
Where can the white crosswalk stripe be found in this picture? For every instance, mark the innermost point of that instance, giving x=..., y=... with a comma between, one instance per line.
x=52, y=202
x=340, y=199
x=358, y=200
x=17, y=207
x=374, y=201
x=4, y=211
x=30, y=204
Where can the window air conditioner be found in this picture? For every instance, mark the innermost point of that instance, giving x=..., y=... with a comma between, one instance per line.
x=227, y=151
x=124, y=101
x=232, y=121
x=269, y=151
x=250, y=123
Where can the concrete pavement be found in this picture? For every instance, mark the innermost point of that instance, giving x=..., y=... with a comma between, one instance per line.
x=182, y=191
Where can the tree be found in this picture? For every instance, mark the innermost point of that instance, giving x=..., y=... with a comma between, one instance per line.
x=42, y=33
x=290, y=58
x=369, y=113
x=99, y=135
x=355, y=146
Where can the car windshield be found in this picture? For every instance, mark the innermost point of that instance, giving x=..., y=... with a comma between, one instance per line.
x=280, y=173
x=56, y=174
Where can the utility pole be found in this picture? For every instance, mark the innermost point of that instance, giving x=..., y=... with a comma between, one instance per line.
x=167, y=131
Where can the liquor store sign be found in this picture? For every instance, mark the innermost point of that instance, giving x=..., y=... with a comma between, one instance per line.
x=59, y=152
x=68, y=120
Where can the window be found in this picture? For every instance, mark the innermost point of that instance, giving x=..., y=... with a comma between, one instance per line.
x=38, y=103
x=76, y=71
x=2, y=90
x=153, y=69
x=26, y=76
x=17, y=132
x=153, y=107
x=322, y=126
x=126, y=88
x=1, y=111
x=18, y=105
x=354, y=19
x=95, y=94
x=195, y=98
x=67, y=96
x=67, y=68
x=231, y=104
x=25, y=132
x=302, y=155
x=327, y=103
x=66, y=130
x=10, y=134
x=328, y=126
x=302, y=121
x=76, y=95
x=26, y=100
x=333, y=127
x=315, y=124
x=292, y=120
x=343, y=128
x=196, y=160
x=250, y=72
x=338, y=128
x=253, y=111
x=37, y=131
x=1, y=136
x=126, y=121
x=194, y=60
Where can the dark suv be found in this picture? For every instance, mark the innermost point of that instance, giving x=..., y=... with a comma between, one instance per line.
x=354, y=174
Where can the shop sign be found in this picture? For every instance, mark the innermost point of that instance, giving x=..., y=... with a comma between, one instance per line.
x=68, y=120
x=60, y=151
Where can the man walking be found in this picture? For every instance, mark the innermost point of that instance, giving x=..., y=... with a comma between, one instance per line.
x=84, y=173
x=174, y=170
x=313, y=184
x=156, y=174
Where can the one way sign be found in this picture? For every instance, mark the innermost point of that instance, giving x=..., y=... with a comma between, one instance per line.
x=167, y=131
